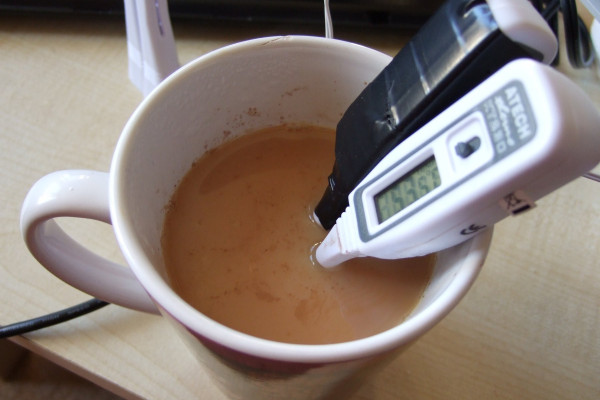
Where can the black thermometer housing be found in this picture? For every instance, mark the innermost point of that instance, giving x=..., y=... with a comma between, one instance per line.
x=461, y=45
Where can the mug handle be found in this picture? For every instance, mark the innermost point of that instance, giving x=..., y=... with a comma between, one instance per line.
x=81, y=194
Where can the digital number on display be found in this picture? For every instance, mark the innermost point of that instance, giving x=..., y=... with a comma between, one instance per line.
x=406, y=190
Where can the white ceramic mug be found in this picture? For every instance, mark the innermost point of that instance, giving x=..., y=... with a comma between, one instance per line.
x=219, y=96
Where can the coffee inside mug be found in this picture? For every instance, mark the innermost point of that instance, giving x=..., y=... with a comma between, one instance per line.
x=239, y=237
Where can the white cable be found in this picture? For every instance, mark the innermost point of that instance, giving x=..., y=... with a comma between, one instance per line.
x=328, y=22
x=595, y=35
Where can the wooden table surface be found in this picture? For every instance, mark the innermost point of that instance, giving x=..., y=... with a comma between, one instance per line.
x=528, y=329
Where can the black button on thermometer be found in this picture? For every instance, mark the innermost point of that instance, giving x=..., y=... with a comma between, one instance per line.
x=465, y=149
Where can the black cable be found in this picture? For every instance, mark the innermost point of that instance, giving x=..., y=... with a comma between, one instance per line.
x=54, y=318
x=577, y=37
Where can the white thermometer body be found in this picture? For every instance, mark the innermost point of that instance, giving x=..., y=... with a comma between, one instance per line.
x=522, y=133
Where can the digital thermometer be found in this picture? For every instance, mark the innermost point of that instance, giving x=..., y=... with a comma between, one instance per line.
x=519, y=135
x=461, y=45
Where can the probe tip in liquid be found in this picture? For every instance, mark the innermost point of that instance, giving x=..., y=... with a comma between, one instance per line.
x=329, y=252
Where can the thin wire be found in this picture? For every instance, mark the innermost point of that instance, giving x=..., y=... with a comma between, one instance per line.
x=328, y=21
x=592, y=176
x=577, y=36
x=20, y=328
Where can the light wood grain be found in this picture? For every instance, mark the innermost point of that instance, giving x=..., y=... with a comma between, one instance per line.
x=529, y=328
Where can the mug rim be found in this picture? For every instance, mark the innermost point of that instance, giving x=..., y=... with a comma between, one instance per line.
x=199, y=324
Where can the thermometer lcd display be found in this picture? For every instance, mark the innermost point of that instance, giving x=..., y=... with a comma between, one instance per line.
x=407, y=189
